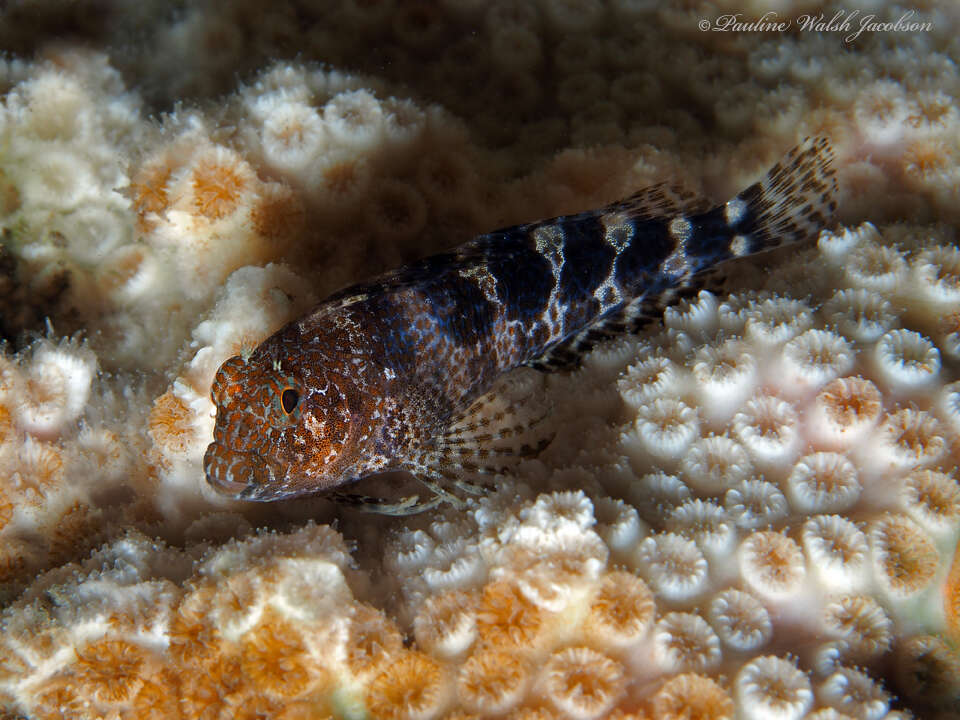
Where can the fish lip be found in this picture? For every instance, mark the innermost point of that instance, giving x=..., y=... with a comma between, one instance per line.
x=259, y=473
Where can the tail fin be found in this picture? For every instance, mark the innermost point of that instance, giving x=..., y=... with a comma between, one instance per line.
x=793, y=202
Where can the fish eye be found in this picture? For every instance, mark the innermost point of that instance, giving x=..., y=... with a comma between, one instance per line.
x=289, y=399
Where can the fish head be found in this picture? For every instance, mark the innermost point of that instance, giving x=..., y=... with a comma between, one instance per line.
x=285, y=427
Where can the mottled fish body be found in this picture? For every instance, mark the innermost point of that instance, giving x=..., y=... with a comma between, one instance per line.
x=376, y=376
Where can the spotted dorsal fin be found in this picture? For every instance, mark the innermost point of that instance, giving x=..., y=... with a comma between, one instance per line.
x=663, y=200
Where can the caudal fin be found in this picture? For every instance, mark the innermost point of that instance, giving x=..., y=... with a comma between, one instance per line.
x=793, y=202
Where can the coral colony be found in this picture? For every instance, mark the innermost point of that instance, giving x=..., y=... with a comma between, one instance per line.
x=749, y=509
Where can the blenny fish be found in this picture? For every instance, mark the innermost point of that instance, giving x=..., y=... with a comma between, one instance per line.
x=392, y=373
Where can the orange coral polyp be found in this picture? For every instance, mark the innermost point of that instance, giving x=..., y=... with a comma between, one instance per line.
x=446, y=625
x=492, y=682
x=506, y=618
x=6, y=424
x=40, y=469
x=412, y=687
x=158, y=697
x=905, y=556
x=275, y=659
x=692, y=697
x=111, y=670
x=374, y=640
x=170, y=423
x=191, y=639
x=622, y=610
x=583, y=683
x=951, y=597
x=149, y=189
x=849, y=404
x=218, y=185
x=278, y=214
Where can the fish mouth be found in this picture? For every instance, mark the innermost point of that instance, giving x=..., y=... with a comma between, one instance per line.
x=241, y=475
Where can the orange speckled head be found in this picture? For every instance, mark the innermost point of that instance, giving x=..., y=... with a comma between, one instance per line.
x=284, y=427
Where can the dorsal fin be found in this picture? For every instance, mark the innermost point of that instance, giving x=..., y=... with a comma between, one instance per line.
x=665, y=199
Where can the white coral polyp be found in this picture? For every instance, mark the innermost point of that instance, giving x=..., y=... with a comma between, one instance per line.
x=778, y=319
x=836, y=245
x=131, y=273
x=618, y=524
x=648, y=380
x=854, y=693
x=754, y=504
x=293, y=136
x=715, y=464
x=932, y=498
x=57, y=387
x=706, y=523
x=354, y=118
x=582, y=683
x=907, y=360
x=910, y=438
x=860, y=623
x=772, y=565
x=404, y=122
x=823, y=482
x=695, y=317
x=59, y=107
x=880, y=112
x=860, y=314
x=57, y=178
x=844, y=411
x=948, y=405
x=768, y=427
x=815, y=358
x=949, y=336
x=655, y=492
x=666, y=427
x=446, y=625
x=460, y=572
x=673, y=566
x=561, y=511
x=410, y=551
x=93, y=230
x=726, y=374
x=734, y=312
x=937, y=274
x=875, y=267
x=770, y=60
x=772, y=688
x=685, y=641
x=740, y=620
x=838, y=551
x=905, y=558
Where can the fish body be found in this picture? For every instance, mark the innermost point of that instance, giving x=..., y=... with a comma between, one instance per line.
x=375, y=377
